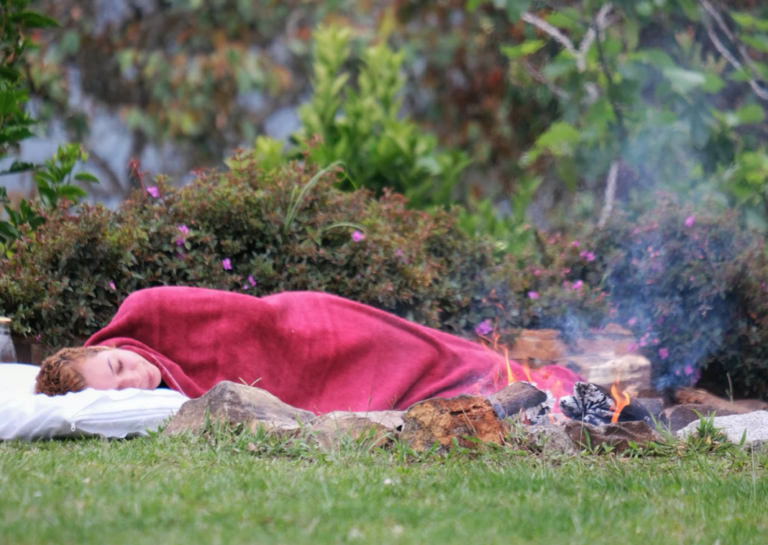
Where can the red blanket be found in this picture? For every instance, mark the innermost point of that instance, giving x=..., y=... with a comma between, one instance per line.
x=312, y=350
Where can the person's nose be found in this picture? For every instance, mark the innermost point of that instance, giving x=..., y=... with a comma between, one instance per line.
x=130, y=379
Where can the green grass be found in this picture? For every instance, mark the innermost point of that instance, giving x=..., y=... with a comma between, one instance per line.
x=216, y=490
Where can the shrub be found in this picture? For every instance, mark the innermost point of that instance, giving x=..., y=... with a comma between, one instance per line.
x=245, y=230
x=692, y=288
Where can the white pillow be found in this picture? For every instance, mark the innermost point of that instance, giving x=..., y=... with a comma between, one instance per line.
x=107, y=413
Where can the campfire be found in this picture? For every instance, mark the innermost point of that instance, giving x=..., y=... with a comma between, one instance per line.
x=598, y=411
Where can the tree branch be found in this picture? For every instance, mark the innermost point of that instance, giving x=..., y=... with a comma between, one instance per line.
x=711, y=12
x=610, y=194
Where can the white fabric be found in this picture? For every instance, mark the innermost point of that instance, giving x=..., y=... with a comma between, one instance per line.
x=107, y=413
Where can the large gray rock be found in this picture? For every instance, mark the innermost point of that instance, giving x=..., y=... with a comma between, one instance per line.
x=682, y=415
x=547, y=439
x=232, y=404
x=754, y=425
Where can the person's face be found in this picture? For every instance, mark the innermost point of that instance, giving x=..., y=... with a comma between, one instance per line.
x=115, y=369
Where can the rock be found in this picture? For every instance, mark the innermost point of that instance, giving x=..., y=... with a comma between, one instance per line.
x=516, y=398
x=754, y=424
x=538, y=347
x=610, y=341
x=689, y=396
x=682, y=415
x=751, y=405
x=548, y=439
x=632, y=371
x=617, y=435
x=376, y=428
x=231, y=404
x=655, y=406
x=441, y=420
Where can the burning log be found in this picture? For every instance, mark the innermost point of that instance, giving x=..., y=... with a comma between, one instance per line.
x=593, y=405
x=466, y=419
x=521, y=398
x=617, y=436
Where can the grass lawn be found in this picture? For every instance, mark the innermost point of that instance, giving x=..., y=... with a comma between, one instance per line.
x=196, y=490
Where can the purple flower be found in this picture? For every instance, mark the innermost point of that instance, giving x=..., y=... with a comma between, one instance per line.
x=112, y=286
x=688, y=370
x=179, y=242
x=399, y=253
x=484, y=328
x=577, y=285
x=152, y=190
x=251, y=281
x=357, y=236
x=183, y=229
x=245, y=286
x=690, y=220
x=227, y=264
x=589, y=256
x=575, y=244
x=663, y=353
x=533, y=295
x=631, y=322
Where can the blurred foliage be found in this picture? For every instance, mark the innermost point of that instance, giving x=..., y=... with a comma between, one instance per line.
x=541, y=122
x=672, y=94
x=356, y=120
x=54, y=179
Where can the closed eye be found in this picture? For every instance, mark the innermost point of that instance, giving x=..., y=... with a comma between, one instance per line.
x=119, y=366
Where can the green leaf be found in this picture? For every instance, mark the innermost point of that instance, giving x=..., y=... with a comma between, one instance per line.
x=71, y=192
x=712, y=83
x=753, y=113
x=655, y=57
x=86, y=177
x=759, y=42
x=18, y=166
x=526, y=48
x=683, y=80
x=472, y=5
x=30, y=19
x=561, y=20
x=559, y=139
x=690, y=9
x=749, y=21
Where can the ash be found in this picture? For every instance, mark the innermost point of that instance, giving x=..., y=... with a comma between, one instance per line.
x=539, y=415
x=589, y=404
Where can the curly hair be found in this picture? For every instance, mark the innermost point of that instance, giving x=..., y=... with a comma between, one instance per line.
x=59, y=373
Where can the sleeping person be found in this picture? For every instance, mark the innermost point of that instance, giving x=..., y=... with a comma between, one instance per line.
x=312, y=350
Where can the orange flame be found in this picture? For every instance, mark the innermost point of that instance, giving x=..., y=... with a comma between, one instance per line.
x=526, y=370
x=621, y=399
x=510, y=375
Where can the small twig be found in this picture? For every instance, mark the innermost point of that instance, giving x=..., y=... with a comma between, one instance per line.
x=610, y=194
x=723, y=50
x=551, y=30
x=538, y=76
x=601, y=24
x=610, y=84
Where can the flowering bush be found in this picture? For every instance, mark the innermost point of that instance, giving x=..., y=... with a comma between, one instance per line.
x=245, y=230
x=691, y=285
